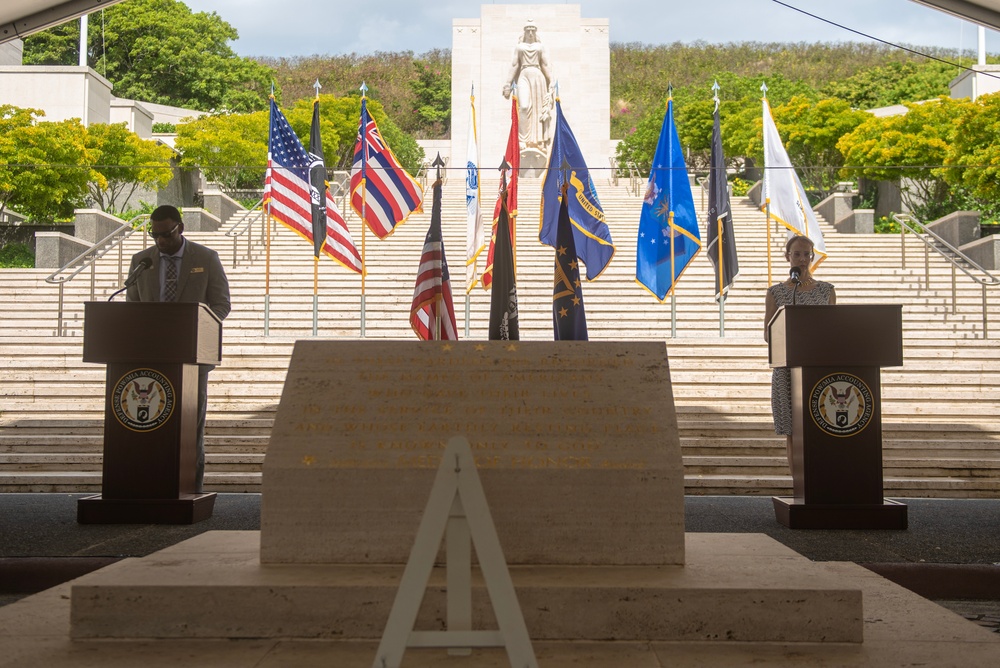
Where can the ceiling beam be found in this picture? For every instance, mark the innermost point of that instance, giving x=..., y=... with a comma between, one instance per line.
x=44, y=14
x=984, y=12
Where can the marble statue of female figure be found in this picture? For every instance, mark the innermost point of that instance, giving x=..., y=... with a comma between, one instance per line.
x=530, y=72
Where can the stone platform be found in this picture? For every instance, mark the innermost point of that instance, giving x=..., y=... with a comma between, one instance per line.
x=736, y=587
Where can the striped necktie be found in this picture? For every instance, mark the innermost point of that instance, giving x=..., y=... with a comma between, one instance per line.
x=170, y=285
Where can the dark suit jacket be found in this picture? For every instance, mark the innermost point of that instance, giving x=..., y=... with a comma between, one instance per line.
x=200, y=278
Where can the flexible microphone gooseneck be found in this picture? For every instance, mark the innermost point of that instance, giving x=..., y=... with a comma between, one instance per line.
x=143, y=265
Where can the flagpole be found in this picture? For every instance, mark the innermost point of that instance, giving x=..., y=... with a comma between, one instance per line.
x=364, y=264
x=316, y=294
x=722, y=301
x=767, y=200
x=673, y=281
x=316, y=256
x=267, y=275
x=468, y=311
x=767, y=209
x=468, y=289
x=364, y=201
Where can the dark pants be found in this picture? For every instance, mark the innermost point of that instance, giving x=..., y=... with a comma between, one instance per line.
x=199, y=474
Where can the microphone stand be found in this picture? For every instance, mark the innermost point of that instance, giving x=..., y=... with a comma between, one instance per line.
x=117, y=292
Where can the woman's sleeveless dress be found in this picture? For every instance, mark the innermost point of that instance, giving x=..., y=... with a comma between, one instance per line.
x=781, y=378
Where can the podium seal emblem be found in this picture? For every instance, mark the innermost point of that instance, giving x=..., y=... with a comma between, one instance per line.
x=841, y=404
x=142, y=400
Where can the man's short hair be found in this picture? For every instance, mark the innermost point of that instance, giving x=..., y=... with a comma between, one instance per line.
x=166, y=212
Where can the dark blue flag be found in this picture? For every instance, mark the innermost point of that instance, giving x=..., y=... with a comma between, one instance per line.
x=568, y=318
x=567, y=167
x=721, y=246
x=668, y=226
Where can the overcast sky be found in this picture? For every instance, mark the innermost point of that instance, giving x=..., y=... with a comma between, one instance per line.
x=307, y=27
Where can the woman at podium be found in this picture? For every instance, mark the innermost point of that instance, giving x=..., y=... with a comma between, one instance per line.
x=799, y=288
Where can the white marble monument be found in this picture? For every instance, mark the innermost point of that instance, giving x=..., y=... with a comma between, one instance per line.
x=536, y=46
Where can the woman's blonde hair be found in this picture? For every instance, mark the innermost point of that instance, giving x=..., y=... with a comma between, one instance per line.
x=793, y=239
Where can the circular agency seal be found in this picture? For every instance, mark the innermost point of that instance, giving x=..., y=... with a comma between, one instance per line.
x=841, y=404
x=143, y=400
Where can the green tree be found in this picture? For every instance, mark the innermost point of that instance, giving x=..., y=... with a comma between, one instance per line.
x=159, y=51
x=432, y=88
x=230, y=149
x=740, y=112
x=810, y=131
x=910, y=149
x=893, y=83
x=974, y=155
x=44, y=166
x=124, y=162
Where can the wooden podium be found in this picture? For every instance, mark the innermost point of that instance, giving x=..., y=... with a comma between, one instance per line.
x=152, y=350
x=834, y=354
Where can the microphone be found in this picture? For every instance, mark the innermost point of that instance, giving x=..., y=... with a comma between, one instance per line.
x=145, y=264
x=794, y=274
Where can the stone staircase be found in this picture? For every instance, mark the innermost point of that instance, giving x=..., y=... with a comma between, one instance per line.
x=941, y=438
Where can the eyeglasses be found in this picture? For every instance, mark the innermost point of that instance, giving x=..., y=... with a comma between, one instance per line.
x=158, y=235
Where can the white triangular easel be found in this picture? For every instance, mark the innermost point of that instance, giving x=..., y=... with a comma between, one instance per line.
x=457, y=503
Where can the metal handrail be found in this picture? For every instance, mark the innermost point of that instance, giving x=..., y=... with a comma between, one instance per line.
x=702, y=182
x=243, y=226
x=634, y=177
x=89, y=258
x=959, y=261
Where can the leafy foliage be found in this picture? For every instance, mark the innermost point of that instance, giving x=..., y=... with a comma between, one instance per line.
x=393, y=79
x=432, y=88
x=230, y=149
x=641, y=72
x=974, y=158
x=124, y=162
x=893, y=83
x=159, y=51
x=911, y=146
x=16, y=255
x=44, y=166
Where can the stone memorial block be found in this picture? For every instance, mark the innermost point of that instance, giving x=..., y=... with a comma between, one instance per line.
x=575, y=442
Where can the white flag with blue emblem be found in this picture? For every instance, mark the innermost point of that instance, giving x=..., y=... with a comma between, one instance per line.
x=782, y=187
x=474, y=239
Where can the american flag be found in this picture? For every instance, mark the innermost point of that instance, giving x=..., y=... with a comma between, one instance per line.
x=390, y=193
x=286, y=192
x=432, y=300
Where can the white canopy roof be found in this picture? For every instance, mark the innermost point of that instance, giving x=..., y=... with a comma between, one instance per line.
x=19, y=18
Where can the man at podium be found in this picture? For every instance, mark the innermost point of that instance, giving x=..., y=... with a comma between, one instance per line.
x=182, y=271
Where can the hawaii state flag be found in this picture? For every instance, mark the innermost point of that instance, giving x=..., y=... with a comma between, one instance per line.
x=668, y=226
x=389, y=194
x=567, y=173
x=432, y=313
x=288, y=191
x=512, y=156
